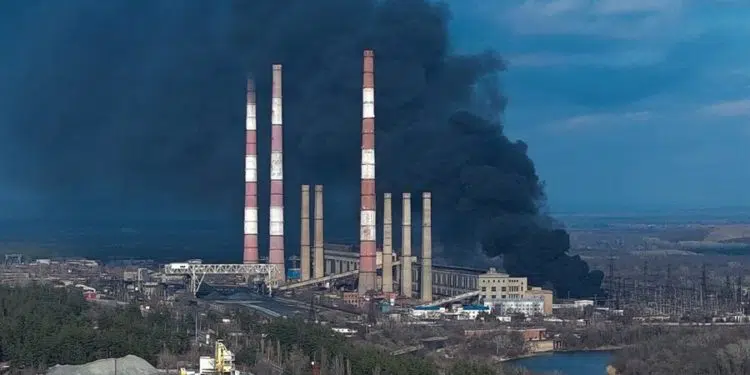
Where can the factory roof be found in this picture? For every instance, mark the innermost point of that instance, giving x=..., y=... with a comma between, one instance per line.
x=475, y=307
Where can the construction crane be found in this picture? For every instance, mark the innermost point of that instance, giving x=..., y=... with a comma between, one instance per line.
x=224, y=359
x=221, y=363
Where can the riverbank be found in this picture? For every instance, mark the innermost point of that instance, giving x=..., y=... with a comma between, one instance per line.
x=606, y=348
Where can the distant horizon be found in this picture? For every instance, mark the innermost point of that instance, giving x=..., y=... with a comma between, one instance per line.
x=20, y=210
x=666, y=209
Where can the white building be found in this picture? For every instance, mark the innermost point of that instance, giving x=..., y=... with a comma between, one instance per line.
x=528, y=306
x=579, y=304
x=468, y=312
x=428, y=312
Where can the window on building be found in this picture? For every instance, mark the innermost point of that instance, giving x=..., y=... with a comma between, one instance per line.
x=494, y=289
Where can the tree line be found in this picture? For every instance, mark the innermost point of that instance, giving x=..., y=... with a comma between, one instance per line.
x=708, y=350
x=41, y=326
x=319, y=343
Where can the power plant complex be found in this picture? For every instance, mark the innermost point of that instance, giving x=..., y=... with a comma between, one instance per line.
x=312, y=262
x=317, y=264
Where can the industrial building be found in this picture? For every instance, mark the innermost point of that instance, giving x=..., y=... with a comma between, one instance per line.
x=385, y=272
x=528, y=306
x=513, y=295
x=545, y=295
x=455, y=312
x=496, y=286
x=313, y=263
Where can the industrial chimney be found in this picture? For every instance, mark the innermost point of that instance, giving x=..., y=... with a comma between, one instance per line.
x=276, y=227
x=426, y=286
x=387, y=245
x=304, y=251
x=319, y=269
x=367, y=223
x=250, y=249
x=406, y=283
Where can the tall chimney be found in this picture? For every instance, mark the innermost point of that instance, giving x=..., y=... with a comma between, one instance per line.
x=387, y=245
x=426, y=286
x=250, y=248
x=406, y=287
x=304, y=251
x=367, y=223
x=276, y=227
x=319, y=269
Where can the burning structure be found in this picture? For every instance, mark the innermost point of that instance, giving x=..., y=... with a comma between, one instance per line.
x=485, y=189
x=312, y=264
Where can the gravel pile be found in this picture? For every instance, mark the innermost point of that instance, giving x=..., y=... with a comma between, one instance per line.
x=128, y=365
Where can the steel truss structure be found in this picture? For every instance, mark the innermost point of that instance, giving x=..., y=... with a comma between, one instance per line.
x=336, y=276
x=467, y=295
x=268, y=273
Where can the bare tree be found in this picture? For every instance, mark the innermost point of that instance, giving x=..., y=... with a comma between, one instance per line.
x=734, y=359
x=166, y=360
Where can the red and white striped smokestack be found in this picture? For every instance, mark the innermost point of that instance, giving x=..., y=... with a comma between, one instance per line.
x=367, y=223
x=276, y=227
x=250, y=253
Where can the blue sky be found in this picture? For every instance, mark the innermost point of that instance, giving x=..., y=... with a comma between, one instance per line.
x=626, y=104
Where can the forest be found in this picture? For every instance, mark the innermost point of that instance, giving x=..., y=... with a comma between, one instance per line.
x=299, y=343
x=706, y=350
x=43, y=325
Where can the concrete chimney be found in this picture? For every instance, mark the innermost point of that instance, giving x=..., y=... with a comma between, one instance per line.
x=319, y=269
x=276, y=227
x=387, y=245
x=250, y=250
x=426, y=286
x=367, y=222
x=304, y=251
x=406, y=287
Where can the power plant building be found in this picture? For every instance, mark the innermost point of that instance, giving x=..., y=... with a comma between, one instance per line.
x=497, y=286
x=315, y=266
x=513, y=294
x=545, y=295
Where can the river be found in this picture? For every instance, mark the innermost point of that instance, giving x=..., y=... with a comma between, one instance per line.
x=568, y=363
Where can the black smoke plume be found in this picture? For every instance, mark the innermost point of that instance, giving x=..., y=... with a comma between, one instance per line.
x=135, y=108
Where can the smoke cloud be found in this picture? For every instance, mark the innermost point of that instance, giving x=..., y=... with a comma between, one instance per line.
x=130, y=108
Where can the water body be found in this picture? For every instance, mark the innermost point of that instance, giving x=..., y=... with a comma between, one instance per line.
x=568, y=363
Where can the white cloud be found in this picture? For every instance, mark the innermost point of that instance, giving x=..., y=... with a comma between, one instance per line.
x=617, y=19
x=637, y=6
x=624, y=58
x=597, y=120
x=732, y=108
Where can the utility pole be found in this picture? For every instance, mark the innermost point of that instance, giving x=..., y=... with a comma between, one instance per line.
x=611, y=282
x=738, y=293
x=313, y=315
x=617, y=293
x=704, y=286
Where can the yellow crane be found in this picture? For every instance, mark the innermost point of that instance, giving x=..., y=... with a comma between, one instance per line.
x=221, y=363
x=223, y=359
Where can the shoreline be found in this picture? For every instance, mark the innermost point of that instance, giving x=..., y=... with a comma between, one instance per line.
x=607, y=348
